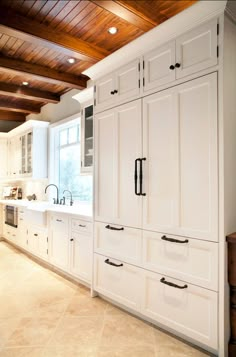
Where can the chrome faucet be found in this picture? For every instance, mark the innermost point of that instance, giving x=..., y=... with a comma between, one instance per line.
x=71, y=201
x=55, y=200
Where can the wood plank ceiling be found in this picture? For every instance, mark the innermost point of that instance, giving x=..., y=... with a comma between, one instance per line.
x=37, y=37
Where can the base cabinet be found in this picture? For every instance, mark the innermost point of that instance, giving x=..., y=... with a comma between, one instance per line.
x=38, y=241
x=81, y=256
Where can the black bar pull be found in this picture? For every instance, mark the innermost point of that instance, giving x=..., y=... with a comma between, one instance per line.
x=174, y=240
x=136, y=177
x=114, y=228
x=141, y=176
x=163, y=281
x=107, y=261
x=82, y=225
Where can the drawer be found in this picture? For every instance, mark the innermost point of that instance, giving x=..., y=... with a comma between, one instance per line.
x=191, y=260
x=81, y=226
x=191, y=310
x=121, y=283
x=122, y=243
x=60, y=223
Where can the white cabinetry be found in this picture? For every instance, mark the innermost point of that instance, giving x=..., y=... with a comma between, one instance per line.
x=192, y=52
x=120, y=86
x=81, y=249
x=118, y=145
x=59, y=241
x=4, y=157
x=37, y=240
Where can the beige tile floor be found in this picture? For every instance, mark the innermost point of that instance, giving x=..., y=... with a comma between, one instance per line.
x=44, y=315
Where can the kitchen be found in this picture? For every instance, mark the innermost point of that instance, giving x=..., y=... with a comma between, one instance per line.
x=143, y=222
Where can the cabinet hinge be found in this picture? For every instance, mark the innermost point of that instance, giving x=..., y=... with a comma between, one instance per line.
x=27, y=241
x=143, y=65
x=27, y=232
x=143, y=81
x=47, y=239
x=217, y=51
x=94, y=102
x=218, y=29
x=47, y=251
x=139, y=67
x=95, y=89
x=139, y=83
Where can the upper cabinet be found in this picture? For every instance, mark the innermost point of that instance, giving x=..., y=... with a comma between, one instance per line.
x=192, y=52
x=118, y=87
x=26, y=150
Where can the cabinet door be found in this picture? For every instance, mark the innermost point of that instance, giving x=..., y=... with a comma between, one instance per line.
x=160, y=147
x=198, y=189
x=32, y=240
x=104, y=95
x=128, y=82
x=187, y=308
x=87, y=139
x=59, y=242
x=81, y=255
x=197, y=49
x=29, y=151
x=157, y=64
x=119, y=144
x=4, y=161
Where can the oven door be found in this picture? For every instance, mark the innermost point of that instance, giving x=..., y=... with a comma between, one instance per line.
x=11, y=216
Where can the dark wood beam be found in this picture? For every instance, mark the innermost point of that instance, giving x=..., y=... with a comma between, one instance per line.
x=42, y=73
x=127, y=13
x=23, y=92
x=18, y=107
x=19, y=26
x=12, y=116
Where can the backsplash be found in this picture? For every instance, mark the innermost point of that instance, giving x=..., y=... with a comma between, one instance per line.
x=36, y=187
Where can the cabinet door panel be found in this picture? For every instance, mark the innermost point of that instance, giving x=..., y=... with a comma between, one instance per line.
x=59, y=252
x=127, y=82
x=81, y=256
x=197, y=102
x=197, y=49
x=191, y=311
x=157, y=66
x=104, y=88
x=160, y=147
x=129, y=148
x=105, y=158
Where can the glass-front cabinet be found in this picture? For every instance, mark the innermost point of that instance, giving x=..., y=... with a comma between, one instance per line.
x=87, y=139
x=26, y=153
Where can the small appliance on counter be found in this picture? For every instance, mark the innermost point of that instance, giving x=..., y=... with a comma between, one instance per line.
x=12, y=193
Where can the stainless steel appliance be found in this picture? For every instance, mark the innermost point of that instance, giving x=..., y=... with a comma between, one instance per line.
x=11, y=216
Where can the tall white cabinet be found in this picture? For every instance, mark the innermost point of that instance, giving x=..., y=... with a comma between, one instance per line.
x=160, y=210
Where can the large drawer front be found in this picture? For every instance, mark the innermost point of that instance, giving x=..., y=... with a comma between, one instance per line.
x=191, y=311
x=122, y=243
x=191, y=260
x=119, y=283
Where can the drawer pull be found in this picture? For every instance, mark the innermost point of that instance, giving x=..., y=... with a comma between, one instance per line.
x=163, y=281
x=82, y=225
x=114, y=228
x=174, y=240
x=35, y=234
x=107, y=261
x=59, y=220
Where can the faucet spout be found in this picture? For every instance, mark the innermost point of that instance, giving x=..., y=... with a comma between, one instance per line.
x=56, y=201
x=71, y=201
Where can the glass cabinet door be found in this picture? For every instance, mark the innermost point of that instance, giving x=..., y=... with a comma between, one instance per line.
x=23, y=154
x=88, y=139
x=29, y=152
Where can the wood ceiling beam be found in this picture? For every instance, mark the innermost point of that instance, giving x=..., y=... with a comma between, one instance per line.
x=23, y=92
x=42, y=73
x=125, y=12
x=12, y=116
x=18, y=107
x=26, y=29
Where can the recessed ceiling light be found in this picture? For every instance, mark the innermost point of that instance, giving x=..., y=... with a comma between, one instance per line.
x=71, y=60
x=112, y=30
x=25, y=83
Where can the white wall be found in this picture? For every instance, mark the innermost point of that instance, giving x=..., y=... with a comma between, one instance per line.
x=54, y=112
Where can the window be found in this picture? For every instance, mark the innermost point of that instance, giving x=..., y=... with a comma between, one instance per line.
x=67, y=158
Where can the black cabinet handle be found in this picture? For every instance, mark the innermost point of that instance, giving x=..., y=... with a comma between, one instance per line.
x=163, y=281
x=35, y=234
x=136, y=177
x=59, y=220
x=114, y=228
x=141, y=176
x=115, y=91
x=112, y=92
x=174, y=240
x=107, y=261
x=177, y=65
x=172, y=67
x=71, y=239
x=82, y=225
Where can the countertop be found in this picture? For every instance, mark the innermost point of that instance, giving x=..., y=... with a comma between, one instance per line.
x=44, y=206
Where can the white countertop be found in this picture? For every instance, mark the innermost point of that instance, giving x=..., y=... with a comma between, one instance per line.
x=44, y=206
